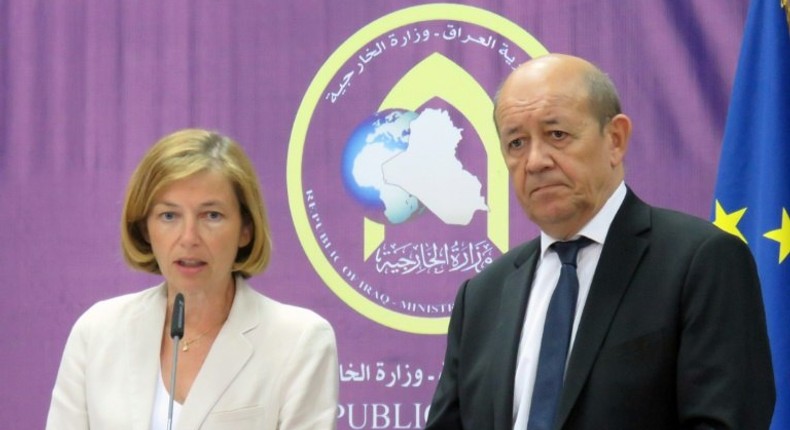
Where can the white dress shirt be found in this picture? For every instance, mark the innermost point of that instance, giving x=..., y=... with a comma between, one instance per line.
x=547, y=274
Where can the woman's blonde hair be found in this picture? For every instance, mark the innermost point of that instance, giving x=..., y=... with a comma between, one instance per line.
x=180, y=155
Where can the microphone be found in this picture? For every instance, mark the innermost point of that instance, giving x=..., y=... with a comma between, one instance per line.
x=177, y=326
x=177, y=333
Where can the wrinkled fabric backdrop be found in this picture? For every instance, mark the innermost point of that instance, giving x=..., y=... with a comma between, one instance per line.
x=87, y=86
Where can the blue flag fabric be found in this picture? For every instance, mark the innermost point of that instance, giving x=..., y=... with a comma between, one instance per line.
x=753, y=185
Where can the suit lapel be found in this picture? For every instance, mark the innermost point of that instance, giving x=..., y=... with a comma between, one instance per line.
x=145, y=340
x=513, y=306
x=228, y=355
x=620, y=257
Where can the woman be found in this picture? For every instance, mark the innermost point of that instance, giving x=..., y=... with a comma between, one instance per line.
x=194, y=214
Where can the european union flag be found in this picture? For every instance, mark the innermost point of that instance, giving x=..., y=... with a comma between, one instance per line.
x=753, y=185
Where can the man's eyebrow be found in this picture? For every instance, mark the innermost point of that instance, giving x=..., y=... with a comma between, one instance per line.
x=510, y=130
x=550, y=121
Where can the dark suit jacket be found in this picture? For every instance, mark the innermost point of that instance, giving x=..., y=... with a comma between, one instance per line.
x=672, y=336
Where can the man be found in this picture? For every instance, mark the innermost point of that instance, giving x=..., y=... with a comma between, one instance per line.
x=668, y=328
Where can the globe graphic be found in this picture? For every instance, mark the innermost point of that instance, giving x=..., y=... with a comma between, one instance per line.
x=373, y=142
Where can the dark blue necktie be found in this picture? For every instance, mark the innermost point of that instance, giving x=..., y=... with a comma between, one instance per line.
x=556, y=338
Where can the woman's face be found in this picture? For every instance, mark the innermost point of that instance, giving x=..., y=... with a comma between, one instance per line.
x=195, y=229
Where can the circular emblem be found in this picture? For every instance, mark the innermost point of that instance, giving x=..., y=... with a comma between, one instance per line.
x=395, y=180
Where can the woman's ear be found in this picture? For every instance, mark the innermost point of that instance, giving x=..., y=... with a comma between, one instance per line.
x=142, y=227
x=246, y=234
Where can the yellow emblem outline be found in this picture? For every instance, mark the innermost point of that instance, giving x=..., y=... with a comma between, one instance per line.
x=322, y=79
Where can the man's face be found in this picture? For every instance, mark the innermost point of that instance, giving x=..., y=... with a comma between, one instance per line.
x=563, y=165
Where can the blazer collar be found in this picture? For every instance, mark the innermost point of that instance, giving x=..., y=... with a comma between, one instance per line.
x=228, y=355
x=512, y=307
x=622, y=251
x=144, y=332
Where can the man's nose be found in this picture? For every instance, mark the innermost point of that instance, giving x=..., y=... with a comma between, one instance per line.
x=538, y=157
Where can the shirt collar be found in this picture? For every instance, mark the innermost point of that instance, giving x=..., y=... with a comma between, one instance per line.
x=598, y=227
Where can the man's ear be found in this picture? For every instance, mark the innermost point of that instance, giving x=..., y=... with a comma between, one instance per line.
x=619, y=132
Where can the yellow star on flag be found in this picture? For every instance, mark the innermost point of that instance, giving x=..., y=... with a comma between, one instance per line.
x=782, y=235
x=729, y=221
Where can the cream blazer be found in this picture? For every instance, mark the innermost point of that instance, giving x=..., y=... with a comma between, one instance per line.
x=272, y=366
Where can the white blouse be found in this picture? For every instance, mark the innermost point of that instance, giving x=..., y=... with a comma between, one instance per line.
x=161, y=405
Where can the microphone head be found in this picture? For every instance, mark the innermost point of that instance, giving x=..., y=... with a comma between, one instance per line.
x=177, y=326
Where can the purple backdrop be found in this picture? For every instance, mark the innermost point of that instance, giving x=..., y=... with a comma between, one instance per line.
x=87, y=86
